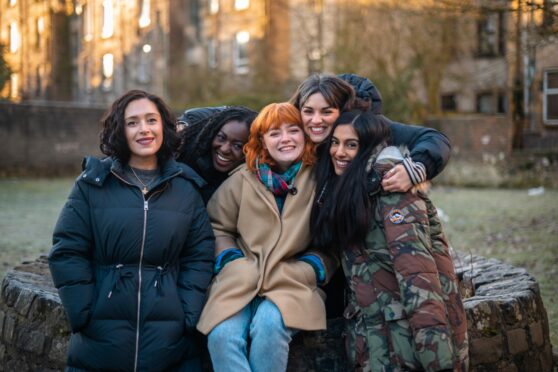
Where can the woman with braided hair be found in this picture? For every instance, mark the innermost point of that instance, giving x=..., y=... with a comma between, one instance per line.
x=212, y=146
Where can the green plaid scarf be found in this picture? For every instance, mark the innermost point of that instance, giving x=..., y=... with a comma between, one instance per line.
x=280, y=184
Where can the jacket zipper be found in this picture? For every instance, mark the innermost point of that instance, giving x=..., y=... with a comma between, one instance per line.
x=145, y=209
x=144, y=232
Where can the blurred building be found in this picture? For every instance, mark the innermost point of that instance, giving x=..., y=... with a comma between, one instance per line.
x=509, y=67
x=119, y=45
x=36, y=36
x=488, y=57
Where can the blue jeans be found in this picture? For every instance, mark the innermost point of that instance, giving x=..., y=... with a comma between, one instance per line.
x=269, y=340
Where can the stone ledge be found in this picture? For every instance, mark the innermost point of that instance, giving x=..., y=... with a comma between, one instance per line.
x=508, y=326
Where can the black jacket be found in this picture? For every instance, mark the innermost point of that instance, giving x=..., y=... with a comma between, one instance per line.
x=428, y=146
x=109, y=241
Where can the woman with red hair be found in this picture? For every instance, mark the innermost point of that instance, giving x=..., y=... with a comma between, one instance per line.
x=265, y=287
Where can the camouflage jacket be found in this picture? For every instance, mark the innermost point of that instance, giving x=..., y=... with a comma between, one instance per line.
x=404, y=310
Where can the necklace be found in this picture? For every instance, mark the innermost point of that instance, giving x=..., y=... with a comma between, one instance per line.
x=144, y=189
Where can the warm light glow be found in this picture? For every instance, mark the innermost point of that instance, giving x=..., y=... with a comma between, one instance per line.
x=12, y=2
x=79, y=9
x=87, y=23
x=13, y=85
x=241, y=4
x=15, y=38
x=145, y=19
x=108, y=65
x=108, y=19
x=40, y=25
x=242, y=37
x=146, y=48
x=213, y=6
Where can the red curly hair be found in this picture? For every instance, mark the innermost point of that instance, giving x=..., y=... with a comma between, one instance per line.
x=273, y=116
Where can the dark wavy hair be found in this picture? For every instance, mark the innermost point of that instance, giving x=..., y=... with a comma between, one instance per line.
x=337, y=93
x=342, y=208
x=113, y=137
x=198, y=136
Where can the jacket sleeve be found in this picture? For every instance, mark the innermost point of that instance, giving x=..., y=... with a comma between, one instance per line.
x=428, y=146
x=70, y=259
x=327, y=262
x=406, y=229
x=223, y=209
x=196, y=264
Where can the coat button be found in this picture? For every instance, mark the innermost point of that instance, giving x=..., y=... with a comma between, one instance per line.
x=97, y=179
x=85, y=175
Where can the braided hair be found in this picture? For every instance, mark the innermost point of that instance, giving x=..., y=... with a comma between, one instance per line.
x=198, y=136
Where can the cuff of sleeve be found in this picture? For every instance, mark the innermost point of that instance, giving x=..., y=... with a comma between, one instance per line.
x=228, y=255
x=416, y=170
x=317, y=265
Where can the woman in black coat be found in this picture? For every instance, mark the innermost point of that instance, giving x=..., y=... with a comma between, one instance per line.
x=132, y=251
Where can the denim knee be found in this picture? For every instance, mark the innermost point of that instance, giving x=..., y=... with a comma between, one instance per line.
x=225, y=334
x=268, y=320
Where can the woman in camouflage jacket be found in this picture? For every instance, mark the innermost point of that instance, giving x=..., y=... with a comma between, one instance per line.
x=404, y=311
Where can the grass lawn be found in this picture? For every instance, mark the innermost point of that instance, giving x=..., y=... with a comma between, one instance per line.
x=506, y=224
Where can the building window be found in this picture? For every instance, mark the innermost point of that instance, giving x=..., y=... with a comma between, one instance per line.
x=38, y=82
x=145, y=19
x=144, y=66
x=491, y=35
x=39, y=29
x=550, y=12
x=86, y=78
x=241, y=4
x=213, y=6
x=108, y=19
x=501, y=103
x=448, y=103
x=108, y=71
x=14, y=82
x=491, y=103
x=15, y=38
x=240, y=52
x=212, y=53
x=87, y=22
x=550, y=97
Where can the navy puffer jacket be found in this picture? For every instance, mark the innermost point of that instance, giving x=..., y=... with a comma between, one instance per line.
x=132, y=271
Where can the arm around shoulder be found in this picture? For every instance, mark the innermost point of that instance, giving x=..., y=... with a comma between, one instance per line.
x=427, y=146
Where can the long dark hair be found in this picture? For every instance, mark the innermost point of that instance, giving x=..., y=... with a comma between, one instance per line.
x=198, y=136
x=342, y=209
x=113, y=137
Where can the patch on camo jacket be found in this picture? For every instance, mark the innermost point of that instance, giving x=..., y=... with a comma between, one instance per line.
x=395, y=216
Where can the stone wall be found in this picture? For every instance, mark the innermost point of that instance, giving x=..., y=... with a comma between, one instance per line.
x=508, y=326
x=47, y=139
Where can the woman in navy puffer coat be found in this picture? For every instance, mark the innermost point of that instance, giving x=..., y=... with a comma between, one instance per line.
x=133, y=248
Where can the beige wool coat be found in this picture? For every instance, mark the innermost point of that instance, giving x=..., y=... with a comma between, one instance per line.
x=244, y=214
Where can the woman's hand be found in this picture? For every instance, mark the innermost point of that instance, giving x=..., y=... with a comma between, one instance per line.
x=397, y=180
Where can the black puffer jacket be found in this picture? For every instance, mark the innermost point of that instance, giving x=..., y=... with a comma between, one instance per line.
x=132, y=271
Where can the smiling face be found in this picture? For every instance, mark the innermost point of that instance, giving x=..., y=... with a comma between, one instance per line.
x=318, y=117
x=285, y=144
x=226, y=148
x=143, y=128
x=344, y=147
